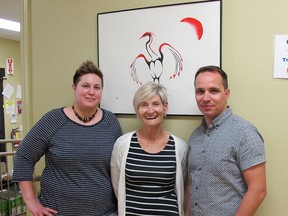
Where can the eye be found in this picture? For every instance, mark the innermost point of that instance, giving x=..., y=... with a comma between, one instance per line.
x=199, y=91
x=98, y=87
x=156, y=104
x=214, y=91
x=143, y=105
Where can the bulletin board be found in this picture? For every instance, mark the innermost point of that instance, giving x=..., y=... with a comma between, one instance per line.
x=165, y=44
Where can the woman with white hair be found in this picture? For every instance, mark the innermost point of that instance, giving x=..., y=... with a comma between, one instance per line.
x=148, y=166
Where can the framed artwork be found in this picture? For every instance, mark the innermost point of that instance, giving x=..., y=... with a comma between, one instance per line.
x=163, y=44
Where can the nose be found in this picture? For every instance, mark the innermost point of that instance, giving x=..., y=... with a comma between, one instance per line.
x=91, y=91
x=206, y=96
x=150, y=109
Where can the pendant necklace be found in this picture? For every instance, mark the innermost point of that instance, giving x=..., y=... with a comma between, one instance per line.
x=84, y=119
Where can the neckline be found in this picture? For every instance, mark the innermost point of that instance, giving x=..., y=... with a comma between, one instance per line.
x=84, y=119
x=146, y=150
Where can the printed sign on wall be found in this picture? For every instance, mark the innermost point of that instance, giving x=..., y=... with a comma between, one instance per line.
x=281, y=56
x=9, y=66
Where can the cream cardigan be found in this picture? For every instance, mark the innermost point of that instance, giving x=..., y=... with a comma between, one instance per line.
x=118, y=162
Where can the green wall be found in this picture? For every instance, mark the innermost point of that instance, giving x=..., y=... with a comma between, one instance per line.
x=62, y=34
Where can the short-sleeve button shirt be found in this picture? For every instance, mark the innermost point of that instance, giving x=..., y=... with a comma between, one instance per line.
x=217, y=157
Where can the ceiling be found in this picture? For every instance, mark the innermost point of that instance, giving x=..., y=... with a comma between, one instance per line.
x=10, y=9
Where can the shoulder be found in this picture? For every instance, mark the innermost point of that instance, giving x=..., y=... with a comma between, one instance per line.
x=108, y=113
x=240, y=120
x=180, y=142
x=56, y=114
x=109, y=116
x=243, y=126
x=125, y=138
x=123, y=142
x=48, y=125
x=197, y=131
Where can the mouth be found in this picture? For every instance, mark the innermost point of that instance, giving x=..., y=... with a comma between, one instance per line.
x=206, y=107
x=151, y=117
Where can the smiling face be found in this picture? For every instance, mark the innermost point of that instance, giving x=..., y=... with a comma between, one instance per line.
x=211, y=96
x=88, y=91
x=151, y=112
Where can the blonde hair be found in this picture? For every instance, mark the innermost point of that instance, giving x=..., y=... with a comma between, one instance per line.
x=148, y=91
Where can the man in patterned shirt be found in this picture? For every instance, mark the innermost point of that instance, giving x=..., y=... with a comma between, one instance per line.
x=226, y=156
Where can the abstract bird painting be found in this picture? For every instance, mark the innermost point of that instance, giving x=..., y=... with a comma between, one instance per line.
x=155, y=59
x=164, y=44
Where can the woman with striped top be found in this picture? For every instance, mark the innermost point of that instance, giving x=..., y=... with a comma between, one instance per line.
x=77, y=143
x=148, y=166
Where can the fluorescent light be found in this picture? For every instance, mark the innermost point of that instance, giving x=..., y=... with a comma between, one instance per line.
x=9, y=25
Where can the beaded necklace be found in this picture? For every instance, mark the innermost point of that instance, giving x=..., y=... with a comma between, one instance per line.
x=84, y=119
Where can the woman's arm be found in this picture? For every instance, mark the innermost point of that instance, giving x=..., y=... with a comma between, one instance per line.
x=115, y=166
x=33, y=205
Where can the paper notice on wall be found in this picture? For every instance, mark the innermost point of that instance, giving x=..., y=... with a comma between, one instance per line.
x=10, y=106
x=13, y=118
x=18, y=92
x=281, y=56
x=8, y=91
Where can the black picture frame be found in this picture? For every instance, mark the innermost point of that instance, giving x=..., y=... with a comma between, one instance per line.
x=189, y=37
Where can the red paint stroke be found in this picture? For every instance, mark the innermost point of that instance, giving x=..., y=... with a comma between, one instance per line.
x=196, y=24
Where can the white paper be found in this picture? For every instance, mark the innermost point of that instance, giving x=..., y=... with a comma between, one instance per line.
x=281, y=56
x=8, y=91
x=10, y=106
x=13, y=118
x=18, y=92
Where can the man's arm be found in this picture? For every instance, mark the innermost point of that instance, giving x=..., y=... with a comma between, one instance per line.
x=187, y=198
x=255, y=178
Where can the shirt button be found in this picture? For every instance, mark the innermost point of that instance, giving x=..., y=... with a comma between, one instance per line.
x=196, y=204
x=196, y=188
x=203, y=151
x=199, y=169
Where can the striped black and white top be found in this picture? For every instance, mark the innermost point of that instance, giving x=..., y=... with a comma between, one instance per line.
x=150, y=180
x=76, y=178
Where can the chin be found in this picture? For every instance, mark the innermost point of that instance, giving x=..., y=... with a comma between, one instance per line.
x=92, y=104
x=208, y=114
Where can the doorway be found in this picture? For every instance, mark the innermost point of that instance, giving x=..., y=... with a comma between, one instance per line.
x=2, y=121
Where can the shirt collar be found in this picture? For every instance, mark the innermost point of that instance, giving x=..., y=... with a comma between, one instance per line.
x=218, y=120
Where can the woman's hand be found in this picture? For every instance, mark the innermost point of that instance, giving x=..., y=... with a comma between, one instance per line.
x=33, y=205
x=37, y=209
